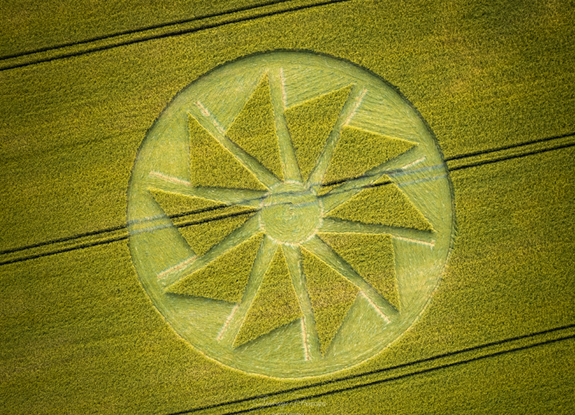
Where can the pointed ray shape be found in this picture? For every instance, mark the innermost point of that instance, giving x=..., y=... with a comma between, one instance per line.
x=310, y=124
x=275, y=304
x=371, y=256
x=210, y=221
x=331, y=297
x=212, y=165
x=358, y=151
x=254, y=129
x=225, y=278
x=383, y=205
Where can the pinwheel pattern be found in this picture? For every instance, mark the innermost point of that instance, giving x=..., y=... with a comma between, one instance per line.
x=294, y=214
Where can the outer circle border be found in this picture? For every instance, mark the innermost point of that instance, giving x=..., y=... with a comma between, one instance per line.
x=453, y=230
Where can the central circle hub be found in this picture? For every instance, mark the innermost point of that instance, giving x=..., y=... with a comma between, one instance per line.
x=291, y=213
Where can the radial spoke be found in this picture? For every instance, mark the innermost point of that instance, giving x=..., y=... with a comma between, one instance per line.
x=185, y=268
x=320, y=249
x=309, y=335
x=350, y=107
x=208, y=121
x=228, y=196
x=233, y=324
x=289, y=162
x=410, y=235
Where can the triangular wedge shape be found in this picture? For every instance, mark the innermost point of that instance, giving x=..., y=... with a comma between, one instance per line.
x=371, y=256
x=382, y=205
x=177, y=205
x=225, y=278
x=310, y=124
x=358, y=151
x=324, y=190
x=275, y=304
x=254, y=129
x=203, y=223
x=203, y=236
x=331, y=297
x=212, y=165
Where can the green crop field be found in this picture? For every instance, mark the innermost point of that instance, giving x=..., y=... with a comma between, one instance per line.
x=297, y=206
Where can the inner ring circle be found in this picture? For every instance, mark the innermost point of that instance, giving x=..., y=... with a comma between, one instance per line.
x=291, y=213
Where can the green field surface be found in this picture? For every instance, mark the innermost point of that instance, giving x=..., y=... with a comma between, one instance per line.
x=83, y=84
x=31, y=27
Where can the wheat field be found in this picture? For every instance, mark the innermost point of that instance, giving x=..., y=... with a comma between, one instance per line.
x=87, y=88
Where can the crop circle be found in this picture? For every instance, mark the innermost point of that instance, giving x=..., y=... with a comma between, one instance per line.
x=290, y=214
